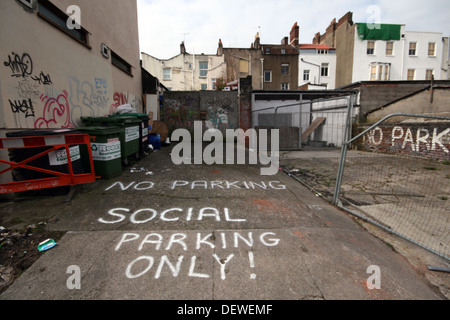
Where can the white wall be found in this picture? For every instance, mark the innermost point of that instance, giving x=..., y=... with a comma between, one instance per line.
x=399, y=61
x=422, y=61
x=153, y=105
x=314, y=71
x=184, y=78
x=362, y=61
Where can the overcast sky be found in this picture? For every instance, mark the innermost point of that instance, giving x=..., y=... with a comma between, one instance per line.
x=164, y=24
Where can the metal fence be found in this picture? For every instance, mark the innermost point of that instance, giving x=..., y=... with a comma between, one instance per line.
x=400, y=187
x=318, y=122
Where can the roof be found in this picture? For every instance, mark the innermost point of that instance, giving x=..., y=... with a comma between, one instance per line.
x=276, y=48
x=314, y=46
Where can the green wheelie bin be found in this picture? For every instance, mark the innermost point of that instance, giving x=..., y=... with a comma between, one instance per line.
x=106, y=150
x=143, y=147
x=129, y=138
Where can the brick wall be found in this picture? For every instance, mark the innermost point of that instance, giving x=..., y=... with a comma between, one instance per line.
x=216, y=109
x=422, y=140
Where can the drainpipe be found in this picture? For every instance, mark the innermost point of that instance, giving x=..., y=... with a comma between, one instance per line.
x=262, y=74
x=193, y=69
x=403, y=58
x=313, y=65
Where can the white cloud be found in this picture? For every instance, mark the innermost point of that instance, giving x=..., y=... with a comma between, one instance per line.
x=162, y=23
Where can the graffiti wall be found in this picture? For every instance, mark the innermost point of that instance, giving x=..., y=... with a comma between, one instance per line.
x=217, y=109
x=423, y=140
x=34, y=99
x=49, y=80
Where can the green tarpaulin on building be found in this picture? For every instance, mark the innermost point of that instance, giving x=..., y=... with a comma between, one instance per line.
x=371, y=31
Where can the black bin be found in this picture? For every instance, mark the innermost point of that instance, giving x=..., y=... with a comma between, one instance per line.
x=54, y=161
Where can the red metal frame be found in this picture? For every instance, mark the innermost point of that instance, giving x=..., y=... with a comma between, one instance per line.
x=55, y=143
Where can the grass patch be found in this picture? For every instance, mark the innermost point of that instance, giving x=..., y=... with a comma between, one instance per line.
x=430, y=168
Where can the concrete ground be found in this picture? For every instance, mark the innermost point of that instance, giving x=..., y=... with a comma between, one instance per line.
x=409, y=196
x=218, y=232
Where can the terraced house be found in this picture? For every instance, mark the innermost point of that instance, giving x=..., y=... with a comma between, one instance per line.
x=384, y=52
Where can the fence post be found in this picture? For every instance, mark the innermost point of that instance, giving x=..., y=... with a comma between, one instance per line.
x=300, y=122
x=344, y=148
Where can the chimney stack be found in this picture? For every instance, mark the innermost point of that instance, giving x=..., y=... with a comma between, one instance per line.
x=220, y=48
x=182, y=48
x=316, y=39
x=257, y=43
x=294, y=35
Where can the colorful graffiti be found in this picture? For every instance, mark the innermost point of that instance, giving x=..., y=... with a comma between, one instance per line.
x=36, y=100
x=121, y=98
x=218, y=110
x=181, y=114
x=87, y=99
x=56, y=113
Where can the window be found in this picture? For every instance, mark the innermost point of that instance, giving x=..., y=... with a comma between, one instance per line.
x=373, y=73
x=431, y=49
x=243, y=66
x=120, y=63
x=322, y=51
x=324, y=70
x=28, y=3
x=389, y=48
x=306, y=75
x=204, y=86
x=57, y=18
x=285, y=69
x=283, y=51
x=267, y=75
x=203, y=66
x=380, y=73
x=411, y=74
x=412, y=48
x=284, y=86
x=370, y=47
x=429, y=74
x=386, y=73
x=267, y=50
x=166, y=74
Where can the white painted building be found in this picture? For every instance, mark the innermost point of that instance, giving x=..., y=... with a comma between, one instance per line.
x=186, y=72
x=317, y=66
x=398, y=54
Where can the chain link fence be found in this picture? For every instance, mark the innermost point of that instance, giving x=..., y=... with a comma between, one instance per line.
x=396, y=175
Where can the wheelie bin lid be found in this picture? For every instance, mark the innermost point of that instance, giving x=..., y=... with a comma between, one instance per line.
x=101, y=131
x=138, y=115
x=37, y=132
x=91, y=121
